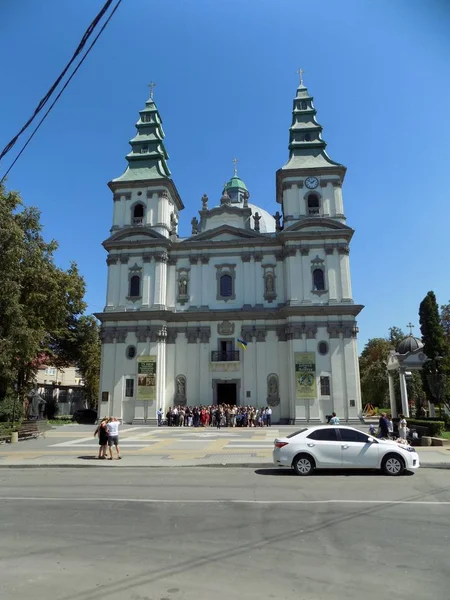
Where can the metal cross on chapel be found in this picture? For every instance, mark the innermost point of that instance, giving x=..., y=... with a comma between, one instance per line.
x=151, y=85
x=411, y=327
x=300, y=72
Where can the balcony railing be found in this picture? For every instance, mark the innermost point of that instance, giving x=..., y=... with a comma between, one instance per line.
x=138, y=220
x=231, y=355
x=313, y=211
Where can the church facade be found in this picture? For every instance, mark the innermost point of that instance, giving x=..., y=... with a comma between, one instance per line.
x=250, y=309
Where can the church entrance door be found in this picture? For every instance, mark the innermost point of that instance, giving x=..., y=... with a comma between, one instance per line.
x=227, y=393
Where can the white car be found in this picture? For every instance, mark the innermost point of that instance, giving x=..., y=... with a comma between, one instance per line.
x=340, y=447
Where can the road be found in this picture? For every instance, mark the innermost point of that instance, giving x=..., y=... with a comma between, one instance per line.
x=202, y=533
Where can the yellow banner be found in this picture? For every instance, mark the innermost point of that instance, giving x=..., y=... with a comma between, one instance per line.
x=305, y=375
x=146, y=383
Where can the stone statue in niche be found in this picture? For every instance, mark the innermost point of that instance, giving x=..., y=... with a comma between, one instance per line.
x=277, y=218
x=270, y=287
x=257, y=219
x=194, y=224
x=180, y=390
x=273, y=396
x=173, y=223
x=204, y=202
x=182, y=287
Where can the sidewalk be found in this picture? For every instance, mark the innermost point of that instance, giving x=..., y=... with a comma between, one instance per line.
x=75, y=446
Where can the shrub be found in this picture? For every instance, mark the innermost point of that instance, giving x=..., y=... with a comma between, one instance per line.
x=435, y=428
x=6, y=410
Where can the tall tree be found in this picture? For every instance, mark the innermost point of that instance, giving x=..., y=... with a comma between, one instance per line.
x=88, y=357
x=435, y=345
x=373, y=371
x=40, y=303
x=445, y=320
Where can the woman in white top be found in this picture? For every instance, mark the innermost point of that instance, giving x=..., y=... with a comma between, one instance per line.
x=402, y=428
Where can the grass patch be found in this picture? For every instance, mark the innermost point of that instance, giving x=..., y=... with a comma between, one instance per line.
x=60, y=421
x=445, y=435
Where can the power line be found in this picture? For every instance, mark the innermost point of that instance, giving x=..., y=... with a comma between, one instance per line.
x=89, y=31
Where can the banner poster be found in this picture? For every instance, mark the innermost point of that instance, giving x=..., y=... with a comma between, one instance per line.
x=146, y=383
x=305, y=375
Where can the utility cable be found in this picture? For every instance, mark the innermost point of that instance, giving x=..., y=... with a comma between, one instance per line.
x=61, y=91
x=46, y=98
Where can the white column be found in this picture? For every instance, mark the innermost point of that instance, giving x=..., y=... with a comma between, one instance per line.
x=171, y=285
x=344, y=264
x=294, y=277
x=160, y=376
x=404, y=393
x=206, y=279
x=259, y=282
x=146, y=281
x=392, y=394
x=194, y=283
x=291, y=380
x=327, y=202
x=247, y=282
x=122, y=292
x=113, y=282
x=160, y=280
x=307, y=277
x=331, y=265
x=338, y=199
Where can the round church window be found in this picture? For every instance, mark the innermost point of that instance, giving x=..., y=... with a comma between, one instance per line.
x=131, y=351
x=323, y=348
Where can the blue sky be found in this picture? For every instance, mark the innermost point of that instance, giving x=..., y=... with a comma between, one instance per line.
x=226, y=76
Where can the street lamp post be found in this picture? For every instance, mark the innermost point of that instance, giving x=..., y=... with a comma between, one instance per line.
x=437, y=383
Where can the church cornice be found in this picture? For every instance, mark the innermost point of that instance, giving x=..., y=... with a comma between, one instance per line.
x=237, y=314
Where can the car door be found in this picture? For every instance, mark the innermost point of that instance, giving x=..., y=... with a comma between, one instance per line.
x=325, y=446
x=356, y=450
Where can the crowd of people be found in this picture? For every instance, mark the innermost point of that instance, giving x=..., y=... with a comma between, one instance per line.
x=223, y=415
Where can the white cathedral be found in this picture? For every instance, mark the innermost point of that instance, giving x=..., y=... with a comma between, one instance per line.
x=250, y=309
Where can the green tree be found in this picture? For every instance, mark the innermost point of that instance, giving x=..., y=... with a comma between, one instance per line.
x=445, y=320
x=88, y=357
x=435, y=345
x=396, y=335
x=373, y=371
x=40, y=303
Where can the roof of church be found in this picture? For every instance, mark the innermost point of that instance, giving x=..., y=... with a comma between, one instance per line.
x=306, y=146
x=409, y=344
x=148, y=156
x=235, y=182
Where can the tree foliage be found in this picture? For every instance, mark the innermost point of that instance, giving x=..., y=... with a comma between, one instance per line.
x=88, y=357
x=435, y=344
x=373, y=371
x=40, y=303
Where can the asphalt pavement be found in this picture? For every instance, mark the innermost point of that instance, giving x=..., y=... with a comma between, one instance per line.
x=197, y=534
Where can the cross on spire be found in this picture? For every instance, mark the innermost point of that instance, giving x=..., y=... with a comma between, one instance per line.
x=235, y=162
x=411, y=327
x=300, y=72
x=151, y=85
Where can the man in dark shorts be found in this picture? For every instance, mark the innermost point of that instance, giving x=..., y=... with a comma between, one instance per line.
x=113, y=437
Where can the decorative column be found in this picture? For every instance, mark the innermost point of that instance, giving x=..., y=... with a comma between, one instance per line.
x=392, y=394
x=113, y=281
x=194, y=284
x=404, y=392
x=160, y=280
x=339, y=205
x=331, y=265
x=306, y=275
x=147, y=258
x=161, y=337
x=205, y=279
x=247, y=279
x=345, y=273
x=122, y=291
x=294, y=285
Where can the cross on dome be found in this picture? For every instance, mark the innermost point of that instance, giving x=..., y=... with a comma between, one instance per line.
x=411, y=327
x=300, y=72
x=151, y=85
x=235, y=161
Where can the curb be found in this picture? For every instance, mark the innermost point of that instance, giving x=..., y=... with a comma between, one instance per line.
x=203, y=466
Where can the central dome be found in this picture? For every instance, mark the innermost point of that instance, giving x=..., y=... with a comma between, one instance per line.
x=267, y=222
x=409, y=344
x=236, y=182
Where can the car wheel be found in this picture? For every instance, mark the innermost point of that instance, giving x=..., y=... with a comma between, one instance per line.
x=303, y=465
x=393, y=465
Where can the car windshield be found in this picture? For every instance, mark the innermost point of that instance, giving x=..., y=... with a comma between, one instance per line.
x=297, y=432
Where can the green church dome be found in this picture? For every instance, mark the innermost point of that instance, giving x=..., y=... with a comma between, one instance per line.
x=236, y=182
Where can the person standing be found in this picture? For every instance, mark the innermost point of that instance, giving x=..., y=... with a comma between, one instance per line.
x=390, y=427
x=113, y=437
x=102, y=438
x=159, y=414
x=402, y=425
x=269, y=416
x=334, y=419
x=219, y=417
x=383, y=426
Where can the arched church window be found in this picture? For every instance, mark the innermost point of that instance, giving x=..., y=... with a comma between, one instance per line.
x=313, y=204
x=318, y=280
x=135, y=286
x=307, y=137
x=303, y=105
x=226, y=286
x=138, y=214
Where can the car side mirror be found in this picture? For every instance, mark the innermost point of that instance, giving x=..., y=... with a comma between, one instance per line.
x=370, y=440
